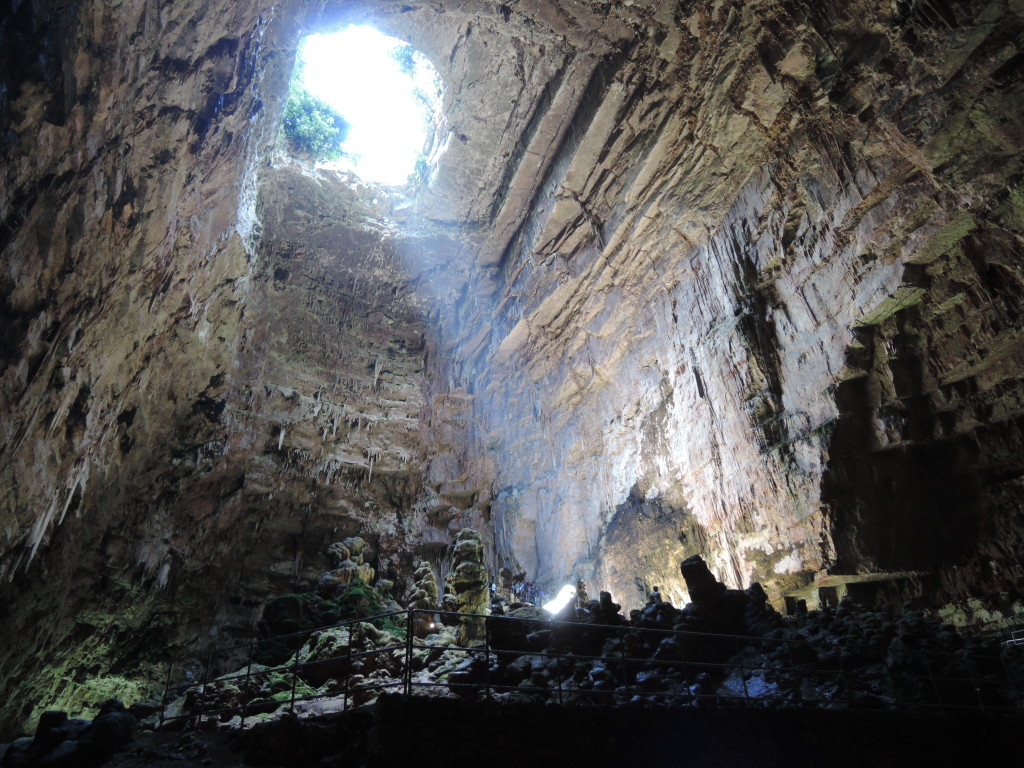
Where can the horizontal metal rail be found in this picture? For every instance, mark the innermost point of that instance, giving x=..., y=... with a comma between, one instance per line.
x=701, y=673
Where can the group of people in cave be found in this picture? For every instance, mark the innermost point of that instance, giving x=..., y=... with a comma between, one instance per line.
x=525, y=591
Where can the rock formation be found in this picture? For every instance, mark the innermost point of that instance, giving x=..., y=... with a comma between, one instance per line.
x=346, y=564
x=61, y=741
x=725, y=647
x=732, y=279
x=468, y=583
x=424, y=596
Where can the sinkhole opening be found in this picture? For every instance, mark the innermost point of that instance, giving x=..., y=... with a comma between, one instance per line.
x=366, y=102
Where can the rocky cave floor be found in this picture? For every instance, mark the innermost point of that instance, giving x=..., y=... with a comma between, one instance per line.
x=725, y=649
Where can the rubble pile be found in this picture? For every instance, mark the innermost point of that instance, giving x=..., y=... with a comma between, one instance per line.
x=725, y=647
x=730, y=646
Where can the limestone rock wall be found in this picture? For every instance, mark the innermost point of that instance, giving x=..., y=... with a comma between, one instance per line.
x=131, y=134
x=334, y=364
x=202, y=390
x=755, y=207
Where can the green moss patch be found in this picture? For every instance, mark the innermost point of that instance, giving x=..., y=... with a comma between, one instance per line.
x=299, y=612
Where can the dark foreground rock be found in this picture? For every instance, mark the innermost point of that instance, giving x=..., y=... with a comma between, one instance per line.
x=62, y=742
x=401, y=731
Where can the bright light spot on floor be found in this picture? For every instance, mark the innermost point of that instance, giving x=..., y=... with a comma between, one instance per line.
x=359, y=72
x=565, y=594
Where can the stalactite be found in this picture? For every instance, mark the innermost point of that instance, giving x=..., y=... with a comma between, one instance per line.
x=376, y=371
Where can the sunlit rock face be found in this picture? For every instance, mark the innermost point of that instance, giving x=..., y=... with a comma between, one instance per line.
x=770, y=286
x=735, y=279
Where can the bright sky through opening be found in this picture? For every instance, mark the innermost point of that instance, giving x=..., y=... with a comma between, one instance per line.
x=354, y=71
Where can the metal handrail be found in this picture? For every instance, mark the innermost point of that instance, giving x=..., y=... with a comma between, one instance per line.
x=791, y=694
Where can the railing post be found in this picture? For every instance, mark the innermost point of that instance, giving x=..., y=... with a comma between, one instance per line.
x=974, y=683
x=295, y=679
x=348, y=665
x=844, y=678
x=1017, y=700
x=796, y=673
x=206, y=678
x=894, y=683
x=408, y=652
x=167, y=690
x=487, y=660
x=684, y=657
x=558, y=671
x=245, y=687
x=622, y=653
x=743, y=671
x=935, y=685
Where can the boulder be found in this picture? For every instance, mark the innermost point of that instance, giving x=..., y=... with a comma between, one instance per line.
x=112, y=728
x=700, y=582
x=18, y=754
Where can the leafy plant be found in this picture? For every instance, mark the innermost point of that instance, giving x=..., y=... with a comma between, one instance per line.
x=404, y=55
x=420, y=171
x=410, y=62
x=311, y=126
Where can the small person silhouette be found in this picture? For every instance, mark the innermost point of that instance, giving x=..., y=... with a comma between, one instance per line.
x=581, y=593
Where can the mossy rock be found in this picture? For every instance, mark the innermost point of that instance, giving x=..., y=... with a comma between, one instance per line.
x=301, y=690
x=356, y=547
x=296, y=613
x=328, y=644
x=359, y=600
x=468, y=573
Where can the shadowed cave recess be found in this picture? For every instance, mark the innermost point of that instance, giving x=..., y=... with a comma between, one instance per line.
x=742, y=280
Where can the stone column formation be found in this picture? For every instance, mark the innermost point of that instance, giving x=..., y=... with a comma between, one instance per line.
x=424, y=595
x=468, y=583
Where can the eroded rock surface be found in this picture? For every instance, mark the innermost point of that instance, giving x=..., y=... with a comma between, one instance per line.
x=736, y=298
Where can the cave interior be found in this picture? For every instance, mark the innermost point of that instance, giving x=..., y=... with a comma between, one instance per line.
x=742, y=280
